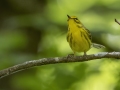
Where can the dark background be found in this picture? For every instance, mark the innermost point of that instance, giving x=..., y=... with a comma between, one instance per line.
x=34, y=29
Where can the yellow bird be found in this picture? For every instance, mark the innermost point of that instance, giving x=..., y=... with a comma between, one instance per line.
x=78, y=37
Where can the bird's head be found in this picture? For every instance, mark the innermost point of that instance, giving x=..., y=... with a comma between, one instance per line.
x=73, y=18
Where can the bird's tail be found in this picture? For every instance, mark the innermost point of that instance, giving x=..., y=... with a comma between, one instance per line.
x=95, y=45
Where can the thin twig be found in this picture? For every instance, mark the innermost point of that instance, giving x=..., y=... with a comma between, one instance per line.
x=45, y=61
x=117, y=21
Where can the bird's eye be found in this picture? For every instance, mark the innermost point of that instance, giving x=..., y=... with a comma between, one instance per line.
x=76, y=19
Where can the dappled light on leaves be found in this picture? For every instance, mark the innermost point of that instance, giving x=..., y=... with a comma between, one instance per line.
x=34, y=29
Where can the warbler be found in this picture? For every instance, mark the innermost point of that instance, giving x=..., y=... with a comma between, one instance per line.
x=78, y=37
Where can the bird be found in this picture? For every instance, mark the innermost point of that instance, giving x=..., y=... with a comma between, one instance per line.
x=79, y=37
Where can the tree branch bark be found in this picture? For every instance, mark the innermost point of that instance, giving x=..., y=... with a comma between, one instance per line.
x=45, y=61
x=117, y=21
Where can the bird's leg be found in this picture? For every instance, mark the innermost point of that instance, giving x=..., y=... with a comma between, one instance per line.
x=85, y=54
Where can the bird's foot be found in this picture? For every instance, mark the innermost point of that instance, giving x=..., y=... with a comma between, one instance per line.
x=70, y=56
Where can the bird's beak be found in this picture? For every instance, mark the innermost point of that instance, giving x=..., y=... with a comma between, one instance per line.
x=68, y=16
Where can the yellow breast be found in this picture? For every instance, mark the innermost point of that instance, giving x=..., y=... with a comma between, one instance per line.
x=78, y=39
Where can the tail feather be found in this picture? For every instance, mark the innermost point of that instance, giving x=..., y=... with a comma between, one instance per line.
x=95, y=45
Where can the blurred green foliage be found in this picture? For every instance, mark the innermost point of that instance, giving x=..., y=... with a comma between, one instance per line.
x=33, y=29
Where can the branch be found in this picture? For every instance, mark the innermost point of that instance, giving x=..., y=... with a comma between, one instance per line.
x=45, y=61
x=117, y=21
